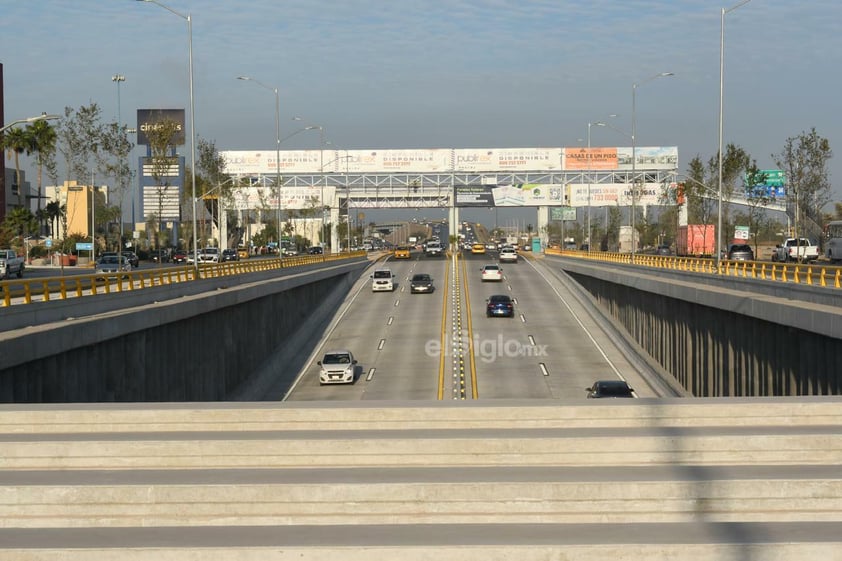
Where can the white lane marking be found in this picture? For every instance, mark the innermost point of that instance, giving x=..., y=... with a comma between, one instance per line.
x=370, y=375
x=382, y=343
x=522, y=318
x=391, y=319
x=543, y=368
x=581, y=325
x=532, y=340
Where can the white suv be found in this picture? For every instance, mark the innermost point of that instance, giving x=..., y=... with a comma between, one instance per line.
x=209, y=255
x=381, y=281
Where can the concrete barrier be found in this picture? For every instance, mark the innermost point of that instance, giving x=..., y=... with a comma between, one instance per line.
x=639, y=479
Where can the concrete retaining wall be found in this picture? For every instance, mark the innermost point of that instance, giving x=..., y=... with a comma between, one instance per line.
x=182, y=343
x=724, y=337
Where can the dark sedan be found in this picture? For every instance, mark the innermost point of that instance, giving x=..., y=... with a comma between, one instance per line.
x=610, y=388
x=500, y=305
x=421, y=282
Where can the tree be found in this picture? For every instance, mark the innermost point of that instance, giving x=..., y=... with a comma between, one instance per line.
x=55, y=211
x=44, y=137
x=162, y=138
x=79, y=135
x=19, y=223
x=804, y=161
x=16, y=141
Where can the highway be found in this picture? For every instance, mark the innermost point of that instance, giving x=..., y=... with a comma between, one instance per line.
x=552, y=348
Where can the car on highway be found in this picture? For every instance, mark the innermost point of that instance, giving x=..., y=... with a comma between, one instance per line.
x=111, y=265
x=421, y=282
x=133, y=258
x=315, y=250
x=230, y=255
x=209, y=255
x=337, y=367
x=609, y=388
x=491, y=246
x=179, y=256
x=508, y=255
x=499, y=305
x=160, y=255
x=402, y=252
x=492, y=273
x=478, y=248
x=382, y=280
x=740, y=252
x=290, y=252
x=243, y=252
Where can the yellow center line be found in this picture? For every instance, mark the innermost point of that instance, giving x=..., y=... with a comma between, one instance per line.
x=474, y=390
x=443, y=342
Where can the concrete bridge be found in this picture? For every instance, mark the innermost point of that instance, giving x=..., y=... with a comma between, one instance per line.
x=655, y=478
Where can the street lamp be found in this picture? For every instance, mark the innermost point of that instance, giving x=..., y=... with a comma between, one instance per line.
x=590, y=179
x=634, y=154
x=119, y=78
x=189, y=20
x=41, y=117
x=721, y=89
x=277, y=146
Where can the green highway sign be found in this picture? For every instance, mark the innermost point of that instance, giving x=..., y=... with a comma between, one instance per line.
x=774, y=177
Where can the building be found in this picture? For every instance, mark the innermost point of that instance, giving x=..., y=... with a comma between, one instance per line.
x=15, y=196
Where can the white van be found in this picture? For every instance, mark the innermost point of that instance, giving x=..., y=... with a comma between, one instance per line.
x=381, y=281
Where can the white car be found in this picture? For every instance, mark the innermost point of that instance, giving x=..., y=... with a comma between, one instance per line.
x=508, y=254
x=209, y=255
x=492, y=273
x=109, y=265
x=382, y=281
x=337, y=367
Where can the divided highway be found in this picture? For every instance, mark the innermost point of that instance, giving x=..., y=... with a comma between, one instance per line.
x=442, y=345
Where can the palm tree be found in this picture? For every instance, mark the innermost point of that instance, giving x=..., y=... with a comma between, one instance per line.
x=54, y=212
x=43, y=137
x=17, y=141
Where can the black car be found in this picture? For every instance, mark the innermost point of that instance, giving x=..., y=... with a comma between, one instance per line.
x=740, y=252
x=133, y=258
x=230, y=255
x=499, y=305
x=421, y=282
x=160, y=255
x=315, y=250
x=610, y=388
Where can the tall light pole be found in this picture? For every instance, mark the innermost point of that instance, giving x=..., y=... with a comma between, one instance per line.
x=119, y=78
x=277, y=147
x=721, y=91
x=189, y=20
x=634, y=155
x=41, y=117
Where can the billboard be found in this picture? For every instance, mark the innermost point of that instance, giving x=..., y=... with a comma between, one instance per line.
x=292, y=198
x=149, y=119
x=620, y=158
x=614, y=194
x=524, y=194
x=506, y=159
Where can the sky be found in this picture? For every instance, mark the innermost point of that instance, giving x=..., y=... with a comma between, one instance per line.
x=442, y=74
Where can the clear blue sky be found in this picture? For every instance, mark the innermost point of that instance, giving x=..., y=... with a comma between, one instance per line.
x=461, y=74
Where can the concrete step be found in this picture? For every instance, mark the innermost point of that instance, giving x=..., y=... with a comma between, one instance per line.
x=446, y=447
x=507, y=495
x=508, y=414
x=699, y=541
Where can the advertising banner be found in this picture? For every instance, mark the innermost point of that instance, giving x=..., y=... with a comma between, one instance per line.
x=149, y=119
x=590, y=158
x=506, y=159
x=525, y=194
x=292, y=198
x=563, y=213
x=614, y=194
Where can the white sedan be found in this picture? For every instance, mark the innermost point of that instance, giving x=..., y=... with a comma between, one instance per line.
x=492, y=273
x=337, y=367
x=508, y=254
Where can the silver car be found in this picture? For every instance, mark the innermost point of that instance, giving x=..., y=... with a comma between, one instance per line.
x=111, y=265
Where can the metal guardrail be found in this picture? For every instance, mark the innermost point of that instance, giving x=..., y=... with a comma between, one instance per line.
x=45, y=289
x=812, y=274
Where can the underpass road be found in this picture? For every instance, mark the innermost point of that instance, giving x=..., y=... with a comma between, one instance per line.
x=550, y=349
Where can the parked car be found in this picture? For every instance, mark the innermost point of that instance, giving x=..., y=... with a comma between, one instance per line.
x=740, y=252
x=230, y=255
x=337, y=367
x=610, y=388
x=499, y=305
x=421, y=282
x=492, y=273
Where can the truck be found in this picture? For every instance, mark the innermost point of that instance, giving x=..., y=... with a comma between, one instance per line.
x=802, y=250
x=10, y=264
x=433, y=249
x=696, y=240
